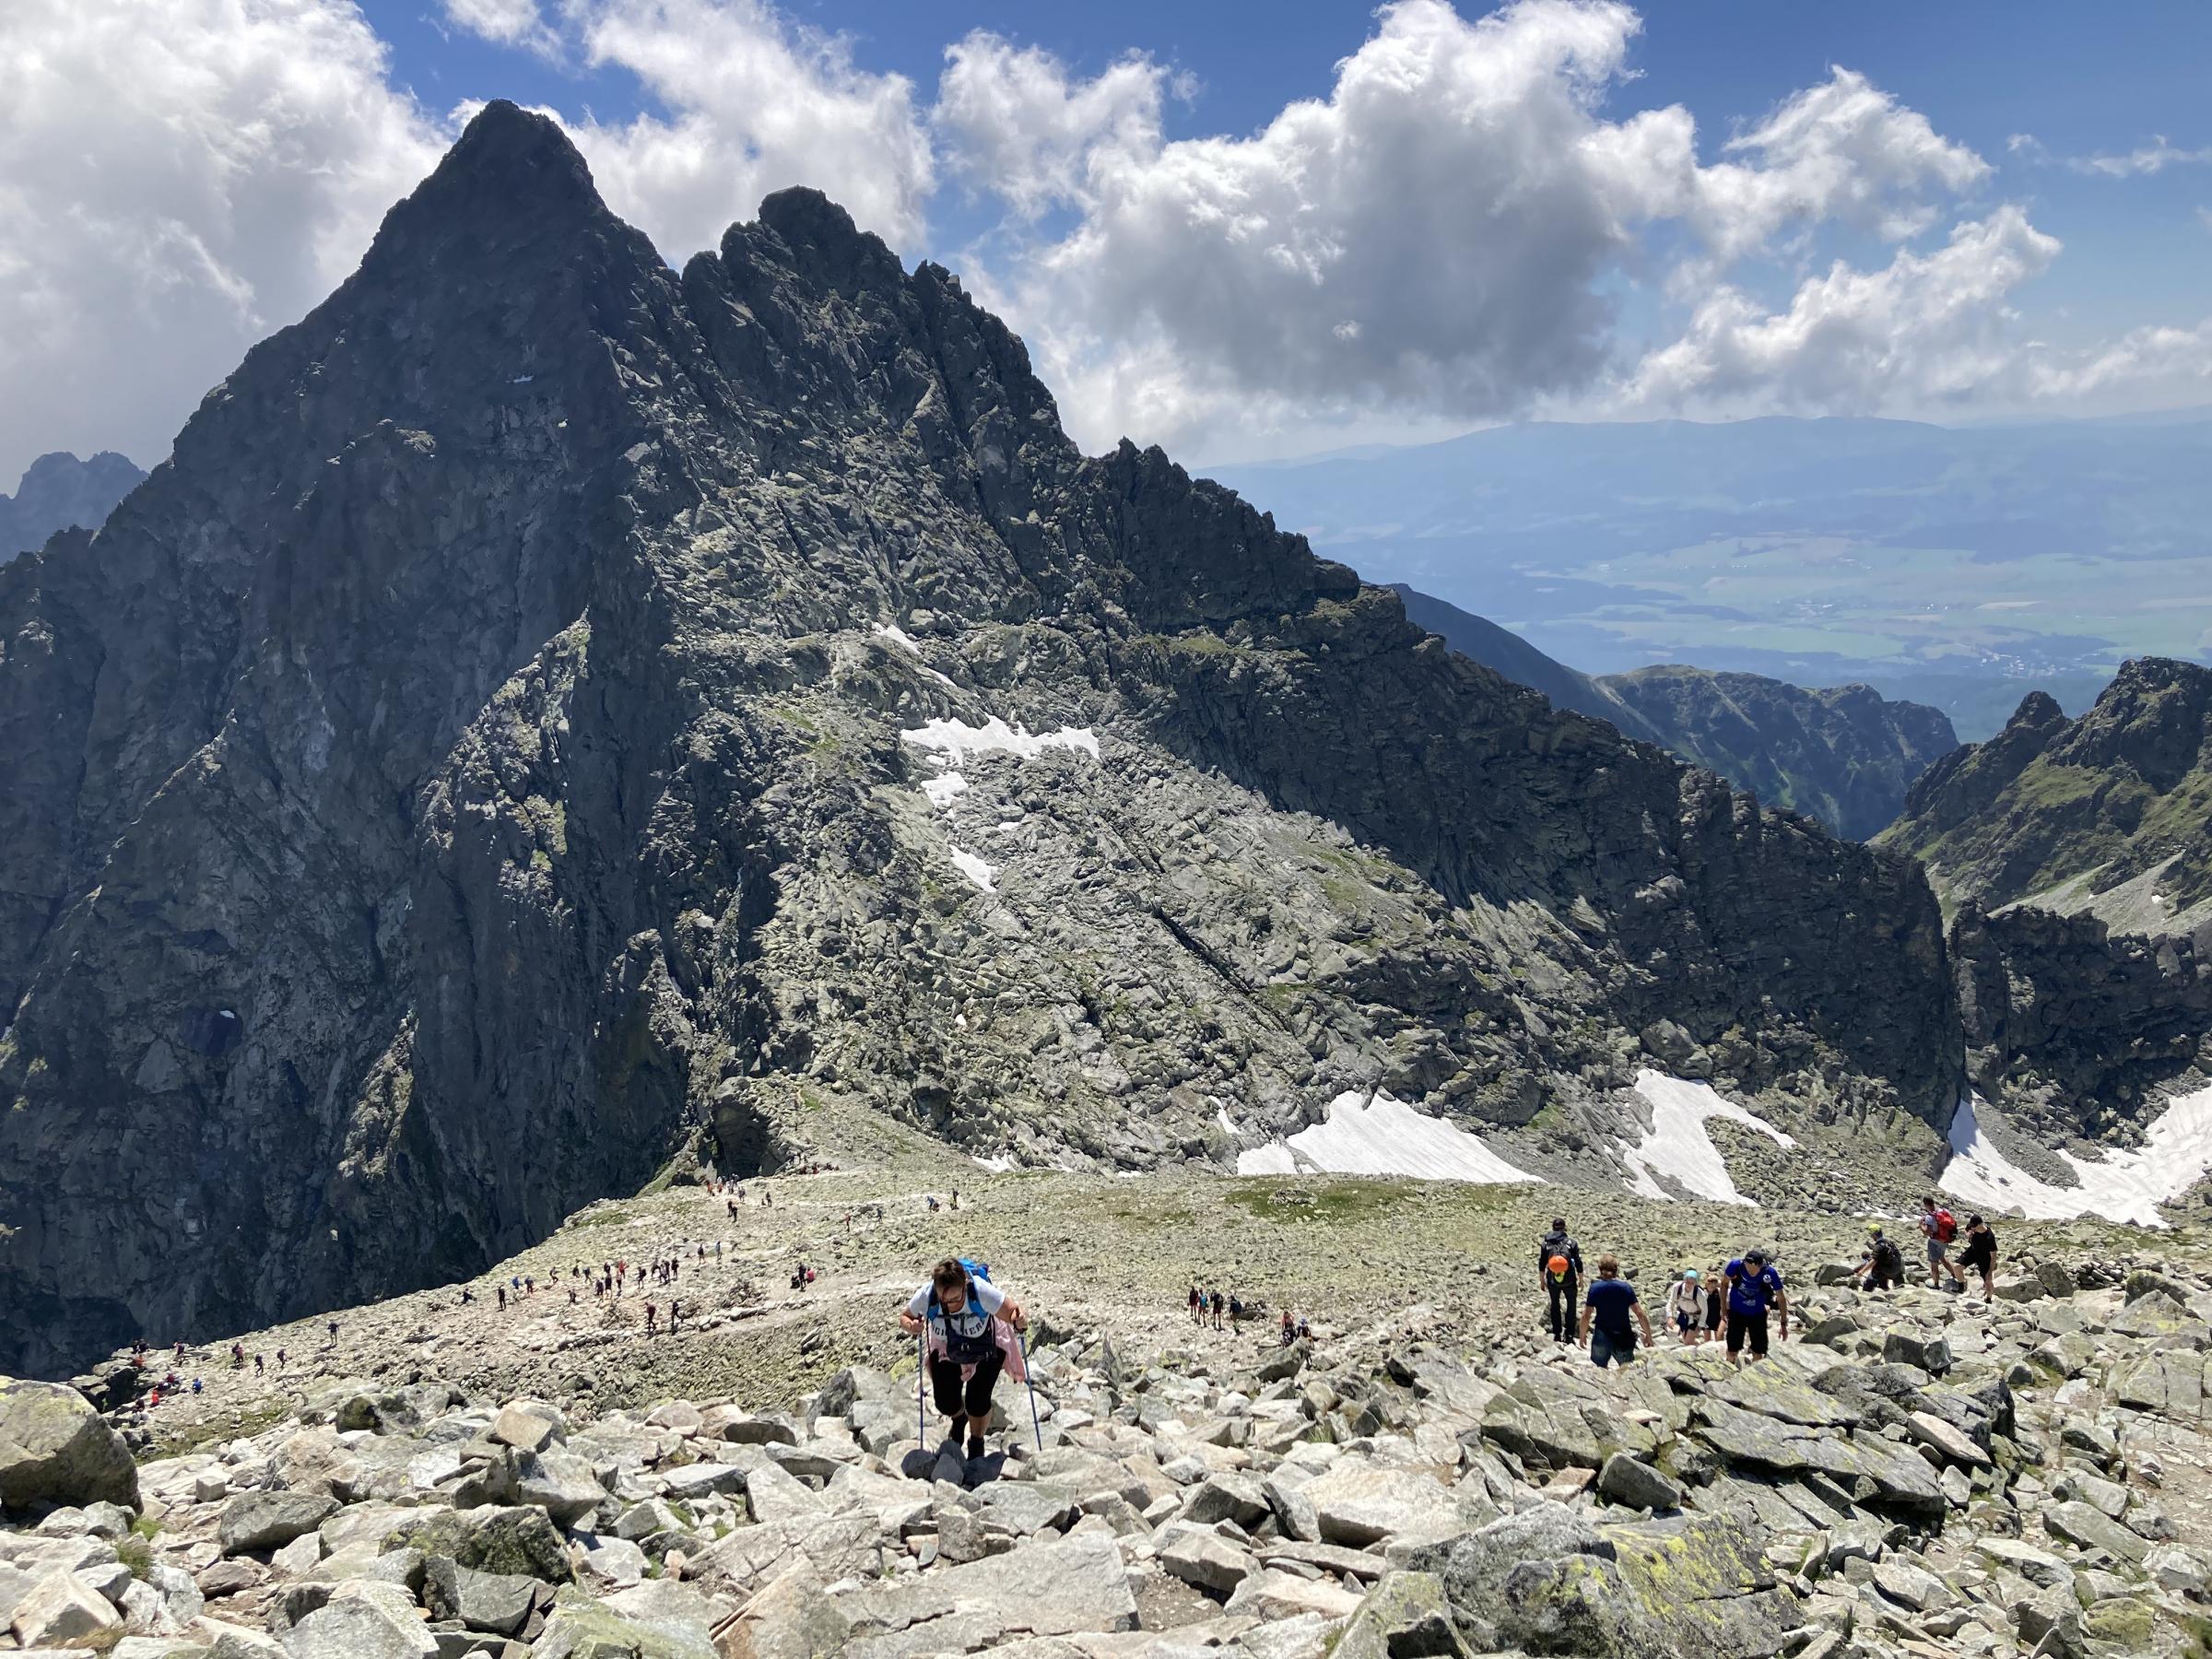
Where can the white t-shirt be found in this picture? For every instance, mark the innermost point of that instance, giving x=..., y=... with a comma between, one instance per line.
x=968, y=1323
x=1689, y=1297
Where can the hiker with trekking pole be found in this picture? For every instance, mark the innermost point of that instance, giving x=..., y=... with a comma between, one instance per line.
x=969, y=1331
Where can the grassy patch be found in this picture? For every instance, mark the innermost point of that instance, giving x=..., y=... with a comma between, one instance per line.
x=136, y=1554
x=1336, y=1202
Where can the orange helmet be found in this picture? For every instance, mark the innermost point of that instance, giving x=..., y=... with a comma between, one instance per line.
x=1558, y=1266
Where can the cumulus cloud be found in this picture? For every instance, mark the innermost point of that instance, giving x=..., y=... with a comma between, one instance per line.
x=753, y=105
x=176, y=182
x=1446, y=231
x=506, y=23
x=1014, y=125
x=1926, y=330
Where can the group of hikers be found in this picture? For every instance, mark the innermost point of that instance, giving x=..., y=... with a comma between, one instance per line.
x=1734, y=1305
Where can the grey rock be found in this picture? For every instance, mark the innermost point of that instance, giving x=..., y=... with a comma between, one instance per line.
x=262, y=1519
x=55, y=1448
x=1637, y=1485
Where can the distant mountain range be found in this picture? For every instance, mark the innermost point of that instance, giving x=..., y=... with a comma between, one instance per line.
x=1844, y=755
x=59, y=492
x=1922, y=560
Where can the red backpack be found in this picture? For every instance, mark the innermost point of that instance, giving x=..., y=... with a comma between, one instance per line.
x=1946, y=1227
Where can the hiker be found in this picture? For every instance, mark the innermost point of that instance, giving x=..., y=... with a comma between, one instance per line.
x=649, y=1319
x=1687, y=1304
x=260, y=1369
x=673, y=1315
x=1289, y=1331
x=279, y=1359
x=1236, y=1307
x=1753, y=1287
x=502, y=1290
x=960, y=1314
x=1941, y=1226
x=1559, y=1269
x=1884, y=1269
x=238, y=1355
x=1221, y=1302
x=1196, y=1317
x=1606, y=1311
x=1715, y=1283
x=1981, y=1255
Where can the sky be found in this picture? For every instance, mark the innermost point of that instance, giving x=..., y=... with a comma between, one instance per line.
x=1241, y=230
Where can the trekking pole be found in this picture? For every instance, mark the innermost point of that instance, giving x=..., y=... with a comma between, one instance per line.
x=921, y=1412
x=1032, y=1385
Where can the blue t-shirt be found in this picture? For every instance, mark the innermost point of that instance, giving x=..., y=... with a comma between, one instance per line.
x=1750, y=1294
x=1609, y=1302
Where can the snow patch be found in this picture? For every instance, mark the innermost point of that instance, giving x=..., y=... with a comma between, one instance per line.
x=1221, y=1117
x=941, y=790
x=1677, y=1144
x=899, y=637
x=975, y=869
x=1381, y=1136
x=998, y=1166
x=2124, y=1185
x=955, y=740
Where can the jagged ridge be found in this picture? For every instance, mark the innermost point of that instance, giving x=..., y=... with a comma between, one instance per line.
x=472, y=766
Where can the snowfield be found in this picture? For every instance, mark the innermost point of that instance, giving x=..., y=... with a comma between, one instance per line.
x=1677, y=1146
x=2125, y=1185
x=1380, y=1136
x=954, y=741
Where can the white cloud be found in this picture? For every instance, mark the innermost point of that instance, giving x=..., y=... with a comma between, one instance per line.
x=505, y=22
x=176, y=182
x=2152, y=158
x=754, y=104
x=1014, y=125
x=1445, y=233
x=1926, y=330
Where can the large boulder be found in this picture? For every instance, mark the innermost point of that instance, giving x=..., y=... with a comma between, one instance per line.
x=266, y=1519
x=64, y=1611
x=55, y=1448
x=1405, y=1615
x=519, y=1541
x=362, y=1621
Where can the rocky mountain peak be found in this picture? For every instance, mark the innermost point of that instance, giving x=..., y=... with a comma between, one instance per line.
x=554, y=717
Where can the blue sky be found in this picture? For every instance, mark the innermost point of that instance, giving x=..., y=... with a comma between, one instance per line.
x=1559, y=209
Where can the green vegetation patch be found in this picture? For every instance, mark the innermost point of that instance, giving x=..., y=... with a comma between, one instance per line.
x=1349, y=1202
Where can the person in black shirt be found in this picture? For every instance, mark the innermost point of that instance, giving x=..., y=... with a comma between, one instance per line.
x=1981, y=1255
x=1559, y=1286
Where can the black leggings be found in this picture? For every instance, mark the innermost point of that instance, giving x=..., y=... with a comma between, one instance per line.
x=944, y=1383
x=1563, y=1313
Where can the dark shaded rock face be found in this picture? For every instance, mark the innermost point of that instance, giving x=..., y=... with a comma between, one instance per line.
x=2110, y=814
x=60, y=492
x=2081, y=1030
x=475, y=764
x=1845, y=756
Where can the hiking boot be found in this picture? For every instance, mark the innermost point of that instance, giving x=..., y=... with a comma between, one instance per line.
x=975, y=1447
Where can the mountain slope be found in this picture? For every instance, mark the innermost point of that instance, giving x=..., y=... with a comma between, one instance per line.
x=1845, y=756
x=553, y=712
x=59, y=492
x=2106, y=815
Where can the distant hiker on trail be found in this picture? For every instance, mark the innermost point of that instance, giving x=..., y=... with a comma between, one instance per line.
x=1687, y=1305
x=966, y=1322
x=1559, y=1270
x=1884, y=1269
x=238, y=1355
x=1198, y=1299
x=1981, y=1255
x=502, y=1290
x=1941, y=1226
x=1753, y=1287
x=260, y=1369
x=1221, y=1302
x=649, y=1319
x=1606, y=1313
x=1289, y=1331
x=673, y=1315
x=1236, y=1307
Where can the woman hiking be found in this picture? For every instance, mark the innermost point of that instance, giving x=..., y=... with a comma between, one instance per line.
x=966, y=1318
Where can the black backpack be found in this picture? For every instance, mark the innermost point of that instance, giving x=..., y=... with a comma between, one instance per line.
x=1561, y=1244
x=1888, y=1259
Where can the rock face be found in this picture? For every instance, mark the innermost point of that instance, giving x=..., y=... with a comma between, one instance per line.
x=2105, y=814
x=1844, y=755
x=55, y=1448
x=552, y=710
x=60, y=492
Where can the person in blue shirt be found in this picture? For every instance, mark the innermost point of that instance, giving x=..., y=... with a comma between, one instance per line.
x=1606, y=1310
x=1753, y=1287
